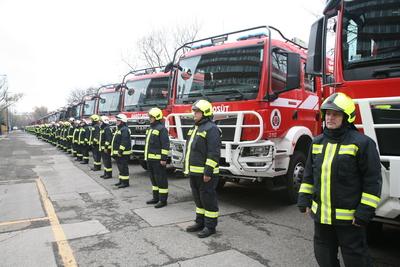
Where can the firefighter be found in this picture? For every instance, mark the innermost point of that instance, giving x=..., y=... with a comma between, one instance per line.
x=202, y=155
x=84, y=141
x=75, y=146
x=105, y=138
x=95, y=142
x=121, y=150
x=70, y=136
x=155, y=153
x=341, y=185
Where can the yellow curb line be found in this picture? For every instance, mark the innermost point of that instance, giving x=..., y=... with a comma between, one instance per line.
x=64, y=249
x=24, y=221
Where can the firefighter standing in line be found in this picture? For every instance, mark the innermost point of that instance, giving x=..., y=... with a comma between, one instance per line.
x=121, y=149
x=105, y=138
x=202, y=165
x=95, y=143
x=70, y=136
x=84, y=138
x=341, y=185
x=75, y=146
x=156, y=153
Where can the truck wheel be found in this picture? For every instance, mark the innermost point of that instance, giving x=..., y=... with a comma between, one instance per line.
x=143, y=163
x=374, y=231
x=294, y=176
x=221, y=184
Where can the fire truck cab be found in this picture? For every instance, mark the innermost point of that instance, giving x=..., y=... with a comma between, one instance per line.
x=364, y=36
x=264, y=104
x=147, y=88
x=109, y=102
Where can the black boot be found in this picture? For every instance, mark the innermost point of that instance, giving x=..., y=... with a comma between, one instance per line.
x=124, y=183
x=84, y=162
x=108, y=175
x=194, y=227
x=104, y=175
x=152, y=201
x=160, y=204
x=119, y=183
x=96, y=168
x=206, y=232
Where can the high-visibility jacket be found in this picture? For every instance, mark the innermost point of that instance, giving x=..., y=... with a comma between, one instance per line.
x=95, y=135
x=121, y=142
x=105, y=137
x=203, y=149
x=157, y=142
x=342, y=177
x=83, y=138
x=75, y=137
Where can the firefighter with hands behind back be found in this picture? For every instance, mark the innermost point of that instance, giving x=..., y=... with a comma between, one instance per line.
x=105, y=138
x=203, y=146
x=121, y=149
x=155, y=153
x=341, y=185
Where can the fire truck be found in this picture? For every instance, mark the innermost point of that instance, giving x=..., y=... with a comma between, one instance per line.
x=264, y=104
x=109, y=102
x=89, y=106
x=147, y=88
x=364, y=36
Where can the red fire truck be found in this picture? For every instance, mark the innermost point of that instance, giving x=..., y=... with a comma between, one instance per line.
x=110, y=102
x=364, y=36
x=89, y=106
x=265, y=105
x=147, y=88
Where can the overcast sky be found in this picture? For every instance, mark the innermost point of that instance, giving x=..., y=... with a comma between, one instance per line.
x=48, y=48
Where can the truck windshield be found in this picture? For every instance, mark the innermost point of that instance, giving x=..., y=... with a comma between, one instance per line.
x=88, y=108
x=227, y=75
x=76, y=111
x=109, y=102
x=371, y=39
x=147, y=93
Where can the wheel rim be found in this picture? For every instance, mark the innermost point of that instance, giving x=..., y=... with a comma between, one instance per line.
x=298, y=173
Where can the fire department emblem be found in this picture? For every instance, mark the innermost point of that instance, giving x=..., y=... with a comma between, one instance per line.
x=275, y=119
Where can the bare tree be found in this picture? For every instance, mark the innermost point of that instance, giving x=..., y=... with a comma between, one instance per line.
x=39, y=112
x=7, y=98
x=76, y=95
x=157, y=48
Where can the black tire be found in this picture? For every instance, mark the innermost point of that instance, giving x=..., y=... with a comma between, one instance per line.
x=294, y=176
x=143, y=163
x=221, y=184
x=374, y=232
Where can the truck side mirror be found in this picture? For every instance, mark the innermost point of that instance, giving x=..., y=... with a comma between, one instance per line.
x=314, y=55
x=131, y=91
x=293, y=71
x=102, y=100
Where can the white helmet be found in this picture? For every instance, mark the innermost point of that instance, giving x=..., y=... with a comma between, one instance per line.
x=71, y=119
x=77, y=122
x=105, y=119
x=122, y=117
x=84, y=121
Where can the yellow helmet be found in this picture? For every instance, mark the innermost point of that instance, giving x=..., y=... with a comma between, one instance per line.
x=203, y=106
x=156, y=113
x=95, y=118
x=340, y=102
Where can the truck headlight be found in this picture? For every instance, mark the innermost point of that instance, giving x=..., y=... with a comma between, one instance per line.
x=255, y=151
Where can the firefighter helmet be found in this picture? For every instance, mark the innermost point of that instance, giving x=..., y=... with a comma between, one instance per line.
x=203, y=106
x=122, y=117
x=156, y=113
x=340, y=102
x=67, y=123
x=84, y=121
x=105, y=119
x=95, y=118
x=71, y=119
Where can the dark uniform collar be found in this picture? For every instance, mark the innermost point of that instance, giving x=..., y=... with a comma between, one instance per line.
x=202, y=121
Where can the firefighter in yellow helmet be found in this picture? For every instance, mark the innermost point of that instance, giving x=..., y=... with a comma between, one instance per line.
x=121, y=149
x=95, y=142
x=341, y=185
x=105, y=138
x=155, y=154
x=202, y=155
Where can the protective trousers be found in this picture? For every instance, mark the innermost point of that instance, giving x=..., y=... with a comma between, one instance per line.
x=159, y=181
x=96, y=157
x=205, y=197
x=79, y=152
x=122, y=164
x=351, y=240
x=85, y=153
x=106, y=163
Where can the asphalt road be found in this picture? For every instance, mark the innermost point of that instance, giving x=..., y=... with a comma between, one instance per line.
x=56, y=212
